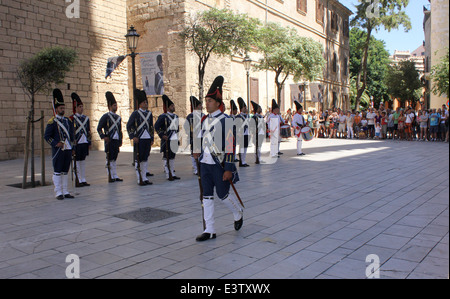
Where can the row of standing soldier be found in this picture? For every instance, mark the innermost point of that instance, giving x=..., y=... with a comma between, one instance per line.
x=70, y=138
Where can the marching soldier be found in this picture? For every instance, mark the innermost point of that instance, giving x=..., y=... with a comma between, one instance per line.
x=60, y=135
x=298, y=122
x=242, y=132
x=260, y=132
x=217, y=166
x=110, y=130
x=82, y=137
x=167, y=128
x=193, y=124
x=140, y=130
x=275, y=123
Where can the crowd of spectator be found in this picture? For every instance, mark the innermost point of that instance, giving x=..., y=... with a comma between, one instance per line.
x=399, y=124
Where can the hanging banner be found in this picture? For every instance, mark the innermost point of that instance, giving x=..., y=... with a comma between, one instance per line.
x=152, y=73
x=297, y=93
x=112, y=64
x=316, y=90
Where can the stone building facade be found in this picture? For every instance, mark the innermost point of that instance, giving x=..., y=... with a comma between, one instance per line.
x=436, y=30
x=98, y=32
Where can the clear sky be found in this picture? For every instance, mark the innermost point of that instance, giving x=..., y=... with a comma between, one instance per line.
x=398, y=39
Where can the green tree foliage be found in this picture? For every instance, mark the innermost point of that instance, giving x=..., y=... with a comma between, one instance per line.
x=440, y=75
x=387, y=14
x=37, y=75
x=377, y=66
x=286, y=53
x=220, y=32
x=403, y=82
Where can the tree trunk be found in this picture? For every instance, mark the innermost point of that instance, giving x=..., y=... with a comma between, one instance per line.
x=33, y=182
x=363, y=69
x=201, y=76
x=26, y=152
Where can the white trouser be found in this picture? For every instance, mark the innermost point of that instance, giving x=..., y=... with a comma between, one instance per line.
x=208, y=214
x=350, y=132
x=144, y=169
x=194, y=165
x=61, y=182
x=81, y=171
x=299, y=144
x=57, y=182
x=113, y=169
x=166, y=169
x=243, y=152
x=208, y=211
x=234, y=206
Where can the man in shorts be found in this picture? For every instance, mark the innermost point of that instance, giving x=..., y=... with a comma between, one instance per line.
x=434, y=124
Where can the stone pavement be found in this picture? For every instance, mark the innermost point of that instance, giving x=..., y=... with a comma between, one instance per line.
x=323, y=215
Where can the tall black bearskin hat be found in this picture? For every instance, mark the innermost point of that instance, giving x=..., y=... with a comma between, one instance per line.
x=215, y=91
x=166, y=102
x=298, y=106
x=111, y=100
x=194, y=103
x=241, y=103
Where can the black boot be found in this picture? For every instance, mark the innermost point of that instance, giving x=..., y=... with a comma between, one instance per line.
x=238, y=224
x=205, y=237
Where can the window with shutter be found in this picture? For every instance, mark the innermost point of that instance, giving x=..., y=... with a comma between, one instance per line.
x=320, y=11
x=302, y=6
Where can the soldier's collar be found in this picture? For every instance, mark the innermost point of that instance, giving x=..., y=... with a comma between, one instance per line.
x=216, y=113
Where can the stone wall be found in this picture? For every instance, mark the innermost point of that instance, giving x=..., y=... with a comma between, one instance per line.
x=27, y=27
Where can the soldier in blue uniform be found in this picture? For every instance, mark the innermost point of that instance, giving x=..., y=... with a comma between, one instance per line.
x=140, y=130
x=110, y=130
x=260, y=130
x=242, y=127
x=82, y=138
x=233, y=109
x=216, y=156
x=192, y=124
x=167, y=128
x=60, y=135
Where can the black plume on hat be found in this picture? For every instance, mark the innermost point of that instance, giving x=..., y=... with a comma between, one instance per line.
x=241, y=103
x=194, y=102
x=298, y=105
x=76, y=99
x=140, y=96
x=215, y=91
x=274, y=104
x=110, y=98
x=166, y=102
x=255, y=106
x=233, y=105
x=58, y=99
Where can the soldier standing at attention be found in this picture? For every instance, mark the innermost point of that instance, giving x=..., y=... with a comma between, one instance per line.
x=140, y=130
x=298, y=122
x=167, y=128
x=260, y=132
x=110, y=130
x=242, y=123
x=59, y=134
x=83, y=139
